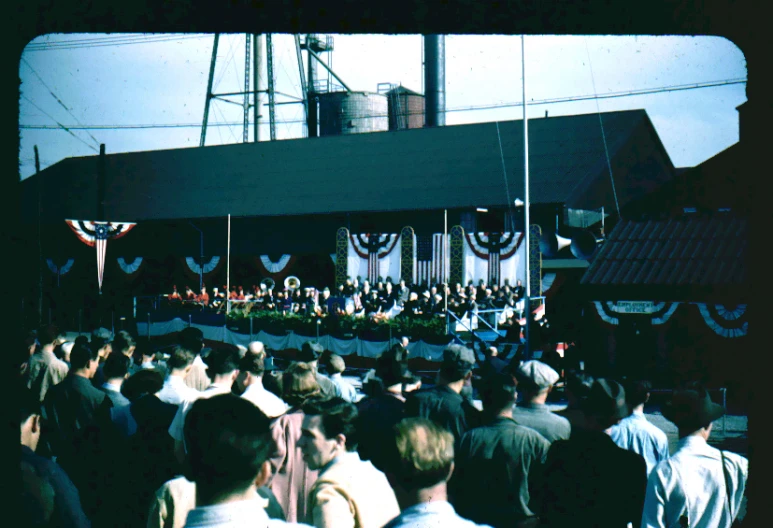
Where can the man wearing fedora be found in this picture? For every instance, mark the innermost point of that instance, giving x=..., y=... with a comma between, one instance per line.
x=535, y=381
x=699, y=486
x=588, y=480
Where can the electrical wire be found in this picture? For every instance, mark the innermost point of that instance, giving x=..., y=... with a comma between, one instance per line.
x=96, y=43
x=60, y=125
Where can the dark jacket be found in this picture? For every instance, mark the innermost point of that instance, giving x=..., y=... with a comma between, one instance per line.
x=445, y=407
x=377, y=415
x=496, y=465
x=590, y=481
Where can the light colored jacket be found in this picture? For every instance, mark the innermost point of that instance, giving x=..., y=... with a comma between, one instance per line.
x=350, y=493
x=197, y=378
x=44, y=371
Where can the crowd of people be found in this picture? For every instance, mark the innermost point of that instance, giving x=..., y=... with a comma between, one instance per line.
x=111, y=435
x=359, y=297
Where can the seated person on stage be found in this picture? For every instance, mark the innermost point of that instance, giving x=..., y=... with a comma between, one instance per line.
x=175, y=295
x=189, y=295
x=204, y=297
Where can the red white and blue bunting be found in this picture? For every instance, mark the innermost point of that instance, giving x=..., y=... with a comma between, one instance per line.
x=494, y=257
x=275, y=267
x=96, y=234
x=660, y=312
x=59, y=270
x=129, y=268
x=373, y=256
x=208, y=266
x=725, y=321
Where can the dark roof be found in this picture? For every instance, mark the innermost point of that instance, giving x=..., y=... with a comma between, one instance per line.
x=403, y=90
x=447, y=167
x=691, y=258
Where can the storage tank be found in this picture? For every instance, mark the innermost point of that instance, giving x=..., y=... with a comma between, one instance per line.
x=352, y=113
x=406, y=108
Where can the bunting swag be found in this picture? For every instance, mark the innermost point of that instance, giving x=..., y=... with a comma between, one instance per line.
x=96, y=234
x=208, y=267
x=373, y=256
x=494, y=257
x=56, y=270
x=127, y=268
x=275, y=267
x=725, y=322
x=660, y=312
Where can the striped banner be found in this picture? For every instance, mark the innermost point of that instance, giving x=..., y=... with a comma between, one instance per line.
x=431, y=265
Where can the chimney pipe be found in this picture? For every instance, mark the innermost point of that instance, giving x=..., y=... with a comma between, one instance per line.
x=435, y=80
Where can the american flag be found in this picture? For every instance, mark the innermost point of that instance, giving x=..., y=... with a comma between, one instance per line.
x=430, y=259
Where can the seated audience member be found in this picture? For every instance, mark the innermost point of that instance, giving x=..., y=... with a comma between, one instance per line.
x=578, y=386
x=535, y=381
x=422, y=455
x=335, y=367
x=43, y=369
x=115, y=370
x=588, y=480
x=698, y=485
x=179, y=364
x=348, y=492
x=292, y=476
x=635, y=433
x=250, y=383
x=53, y=496
x=498, y=463
x=228, y=443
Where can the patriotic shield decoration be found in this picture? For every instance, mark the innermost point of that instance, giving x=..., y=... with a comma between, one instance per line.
x=96, y=234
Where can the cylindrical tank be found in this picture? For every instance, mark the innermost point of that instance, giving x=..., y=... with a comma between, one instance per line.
x=435, y=79
x=406, y=109
x=352, y=113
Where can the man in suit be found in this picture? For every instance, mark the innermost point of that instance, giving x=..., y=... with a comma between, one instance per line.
x=116, y=370
x=590, y=481
x=403, y=293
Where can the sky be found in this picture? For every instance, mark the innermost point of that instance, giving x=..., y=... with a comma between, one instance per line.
x=113, y=81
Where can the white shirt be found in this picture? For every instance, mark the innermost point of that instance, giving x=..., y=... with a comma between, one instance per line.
x=268, y=402
x=246, y=513
x=636, y=434
x=345, y=389
x=691, y=484
x=176, y=429
x=175, y=391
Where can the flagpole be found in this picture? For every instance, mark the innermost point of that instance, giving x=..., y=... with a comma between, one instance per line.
x=446, y=261
x=228, y=271
x=526, y=300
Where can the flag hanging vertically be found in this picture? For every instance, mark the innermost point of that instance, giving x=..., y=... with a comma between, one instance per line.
x=96, y=234
x=430, y=259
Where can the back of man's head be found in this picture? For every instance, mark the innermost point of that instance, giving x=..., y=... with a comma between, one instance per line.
x=423, y=454
x=253, y=363
x=339, y=417
x=180, y=359
x=116, y=366
x=222, y=361
x=498, y=393
x=458, y=362
x=123, y=342
x=257, y=348
x=299, y=384
x=579, y=383
x=227, y=441
x=81, y=356
x=637, y=392
x=141, y=383
x=192, y=338
x=47, y=334
x=335, y=364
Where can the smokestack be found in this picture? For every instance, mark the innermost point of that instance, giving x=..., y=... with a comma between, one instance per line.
x=435, y=80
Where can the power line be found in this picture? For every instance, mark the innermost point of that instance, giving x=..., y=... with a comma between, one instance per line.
x=95, y=43
x=558, y=100
x=60, y=125
x=57, y=98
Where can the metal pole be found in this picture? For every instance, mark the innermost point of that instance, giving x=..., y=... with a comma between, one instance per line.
x=270, y=78
x=527, y=301
x=304, y=91
x=446, y=262
x=228, y=271
x=80, y=321
x=724, y=405
x=40, y=246
x=250, y=328
x=135, y=309
x=148, y=325
x=209, y=91
x=257, y=52
x=246, y=103
x=319, y=60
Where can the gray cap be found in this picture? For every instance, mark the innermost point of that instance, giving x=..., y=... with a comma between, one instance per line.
x=536, y=373
x=459, y=358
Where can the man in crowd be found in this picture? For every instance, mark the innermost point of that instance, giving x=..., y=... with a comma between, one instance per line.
x=335, y=368
x=44, y=370
x=222, y=369
x=179, y=364
x=698, y=485
x=577, y=387
x=348, y=493
x=497, y=463
x=250, y=382
x=116, y=370
x=309, y=354
x=590, y=481
x=535, y=381
x=228, y=444
x=66, y=509
x=123, y=343
x=635, y=433
x=444, y=403
x=422, y=461
x=193, y=339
